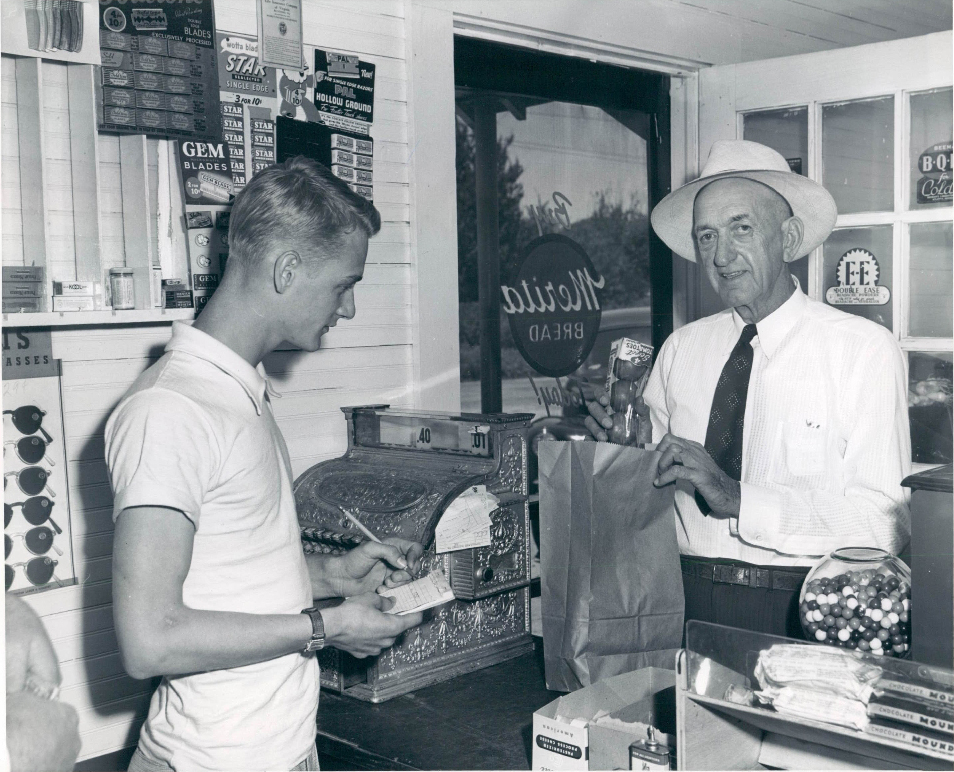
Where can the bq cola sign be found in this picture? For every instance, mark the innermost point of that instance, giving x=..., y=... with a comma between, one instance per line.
x=553, y=305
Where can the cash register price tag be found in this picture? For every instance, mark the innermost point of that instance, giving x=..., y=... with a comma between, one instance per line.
x=435, y=435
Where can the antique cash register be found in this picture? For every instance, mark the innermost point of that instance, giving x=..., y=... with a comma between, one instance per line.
x=402, y=470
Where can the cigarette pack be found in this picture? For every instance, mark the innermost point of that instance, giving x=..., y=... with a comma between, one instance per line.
x=363, y=177
x=341, y=141
x=363, y=190
x=23, y=273
x=74, y=303
x=364, y=146
x=23, y=289
x=74, y=288
x=342, y=157
x=363, y=161
x=24, y=305
x=343, y=172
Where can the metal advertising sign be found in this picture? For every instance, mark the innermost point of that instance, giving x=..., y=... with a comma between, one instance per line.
x=935, y=187
x=554, y=306
x=344, y=91
x=858, y=275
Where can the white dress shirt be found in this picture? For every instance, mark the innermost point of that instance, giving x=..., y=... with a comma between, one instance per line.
x=825, y=443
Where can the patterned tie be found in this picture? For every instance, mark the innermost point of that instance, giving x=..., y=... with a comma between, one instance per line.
x=724, y=435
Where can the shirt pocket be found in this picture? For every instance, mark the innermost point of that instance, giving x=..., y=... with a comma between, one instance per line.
x=804, y=449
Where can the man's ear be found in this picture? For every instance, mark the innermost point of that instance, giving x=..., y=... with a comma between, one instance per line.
x=793, y=232
x=286, y=266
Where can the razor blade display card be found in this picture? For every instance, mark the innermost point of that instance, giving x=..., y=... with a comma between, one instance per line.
x=165, y=48
x=344, y=91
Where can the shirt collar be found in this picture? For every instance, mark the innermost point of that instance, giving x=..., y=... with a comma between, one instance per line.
x=773, y=329
x=188, y=340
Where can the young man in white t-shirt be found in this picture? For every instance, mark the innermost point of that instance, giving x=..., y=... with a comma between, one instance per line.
x=211, y=588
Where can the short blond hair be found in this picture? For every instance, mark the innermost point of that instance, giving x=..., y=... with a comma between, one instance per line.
x=296, y=202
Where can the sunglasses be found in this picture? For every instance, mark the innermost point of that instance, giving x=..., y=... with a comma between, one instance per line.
x=31, y=479
x=30, y=449
x=36, y=511
x=28, y=419
x=39, y=571
x=37, y=540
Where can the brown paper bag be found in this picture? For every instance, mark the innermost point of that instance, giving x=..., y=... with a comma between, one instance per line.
x=611, y=583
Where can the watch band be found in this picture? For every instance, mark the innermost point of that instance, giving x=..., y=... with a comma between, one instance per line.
x=317, y=640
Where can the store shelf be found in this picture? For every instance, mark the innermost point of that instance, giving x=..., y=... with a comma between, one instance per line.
x=98, y=318
x=715, y=734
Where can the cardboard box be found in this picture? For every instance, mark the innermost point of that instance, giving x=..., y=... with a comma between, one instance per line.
x=23, y=273
x=23, y=289
x=73, y=303
x=566, y=735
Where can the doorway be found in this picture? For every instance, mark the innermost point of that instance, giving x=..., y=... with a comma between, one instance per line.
x=559, y=162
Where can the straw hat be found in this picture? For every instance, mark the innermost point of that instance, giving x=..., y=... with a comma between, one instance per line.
x=810, y=202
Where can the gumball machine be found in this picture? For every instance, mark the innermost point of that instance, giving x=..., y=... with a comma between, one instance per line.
x=859, y=598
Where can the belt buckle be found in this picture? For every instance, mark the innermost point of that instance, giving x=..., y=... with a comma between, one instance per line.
x=730, y=574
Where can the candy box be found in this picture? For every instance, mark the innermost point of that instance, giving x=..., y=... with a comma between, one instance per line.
x=593, y=727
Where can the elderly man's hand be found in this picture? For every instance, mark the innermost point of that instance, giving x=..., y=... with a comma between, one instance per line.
x=686, y=460
x=600, y=420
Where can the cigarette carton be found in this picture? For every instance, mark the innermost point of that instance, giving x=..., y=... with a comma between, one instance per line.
x=23, y=273
x=23, y=289
x=22, y=305
x=73, y=303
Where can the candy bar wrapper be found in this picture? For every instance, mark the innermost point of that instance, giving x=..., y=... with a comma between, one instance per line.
x=636, y=354
x=611, y=585
x=829, y=670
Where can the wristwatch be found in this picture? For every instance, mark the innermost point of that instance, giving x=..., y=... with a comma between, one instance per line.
x=317, y=640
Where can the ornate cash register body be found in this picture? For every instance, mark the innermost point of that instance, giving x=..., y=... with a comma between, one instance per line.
x=400, y=472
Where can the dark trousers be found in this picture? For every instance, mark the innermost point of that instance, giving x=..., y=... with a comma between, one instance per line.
x=771, y=609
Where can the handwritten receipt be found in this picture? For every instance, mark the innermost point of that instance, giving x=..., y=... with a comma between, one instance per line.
x=430, y=591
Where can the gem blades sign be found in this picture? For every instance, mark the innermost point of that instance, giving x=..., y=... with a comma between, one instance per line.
x=553, y=305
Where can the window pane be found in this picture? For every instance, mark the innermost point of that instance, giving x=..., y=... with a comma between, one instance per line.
x=578, y=172
x=783, y=130
x=858, y=272
x=931, y=281
x=929, y=406
x=930, y=161
x=858, y=154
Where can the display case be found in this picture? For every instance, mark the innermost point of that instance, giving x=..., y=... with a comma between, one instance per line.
x=401, y=471
x=716, y=732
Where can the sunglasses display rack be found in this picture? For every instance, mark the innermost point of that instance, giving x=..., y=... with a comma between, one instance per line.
x=38, y=554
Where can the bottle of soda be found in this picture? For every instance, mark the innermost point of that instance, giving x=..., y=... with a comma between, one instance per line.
x=629, y=369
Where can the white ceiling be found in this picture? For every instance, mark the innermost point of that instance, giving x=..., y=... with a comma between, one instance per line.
x=836, y=22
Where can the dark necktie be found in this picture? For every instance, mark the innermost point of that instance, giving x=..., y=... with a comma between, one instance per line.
x=724, y=435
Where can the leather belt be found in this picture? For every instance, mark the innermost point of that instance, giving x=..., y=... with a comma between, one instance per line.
x=745, y=574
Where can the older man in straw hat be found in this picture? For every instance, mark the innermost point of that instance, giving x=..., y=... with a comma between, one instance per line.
x=782, y=421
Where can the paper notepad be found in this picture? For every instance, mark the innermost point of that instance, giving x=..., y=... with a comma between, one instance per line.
x=432, y=590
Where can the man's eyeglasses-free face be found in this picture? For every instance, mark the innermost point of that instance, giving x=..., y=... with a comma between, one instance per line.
x=31, y=479
x=36, y=511
x=39, y=571
x=28, y=419
x=30, y=449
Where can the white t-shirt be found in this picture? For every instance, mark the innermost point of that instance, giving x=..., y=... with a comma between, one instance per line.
x=196, y=433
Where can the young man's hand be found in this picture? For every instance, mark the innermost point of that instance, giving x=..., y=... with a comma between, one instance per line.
x=371, y=565
x=360, y=627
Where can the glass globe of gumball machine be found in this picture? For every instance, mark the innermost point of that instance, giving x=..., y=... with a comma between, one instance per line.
x=859, y=598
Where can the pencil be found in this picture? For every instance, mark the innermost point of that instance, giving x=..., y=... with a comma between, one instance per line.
x=360, y=526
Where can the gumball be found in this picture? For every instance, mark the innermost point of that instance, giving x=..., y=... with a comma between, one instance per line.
x=828, y=621
x=825, y=608
x=809, y=596
x=854, y=623
x=886, y=623
x=897, y=640
x=904, y=616
x=897, y=607
x=868, y=635
x=883, y=635
x=877, y=614
x=832, y=599
x=895, y=618
x=886, y=604
x=844, y=635
x=863, y=645
x=898, y=649
x=821, y=635
x=812, y=627
x=875, y=644
x=847, y=613
x=817, y=615
x=852, y=603
x=812, y=604
x=894, y=629
x=851, y=644
x=841, y=623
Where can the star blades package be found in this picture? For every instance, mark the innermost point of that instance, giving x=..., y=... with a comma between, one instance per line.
x=629, y=365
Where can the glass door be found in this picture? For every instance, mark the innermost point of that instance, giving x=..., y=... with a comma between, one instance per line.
x=555, y=253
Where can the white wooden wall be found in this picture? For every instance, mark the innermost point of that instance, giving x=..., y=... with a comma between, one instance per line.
x=370, y=359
